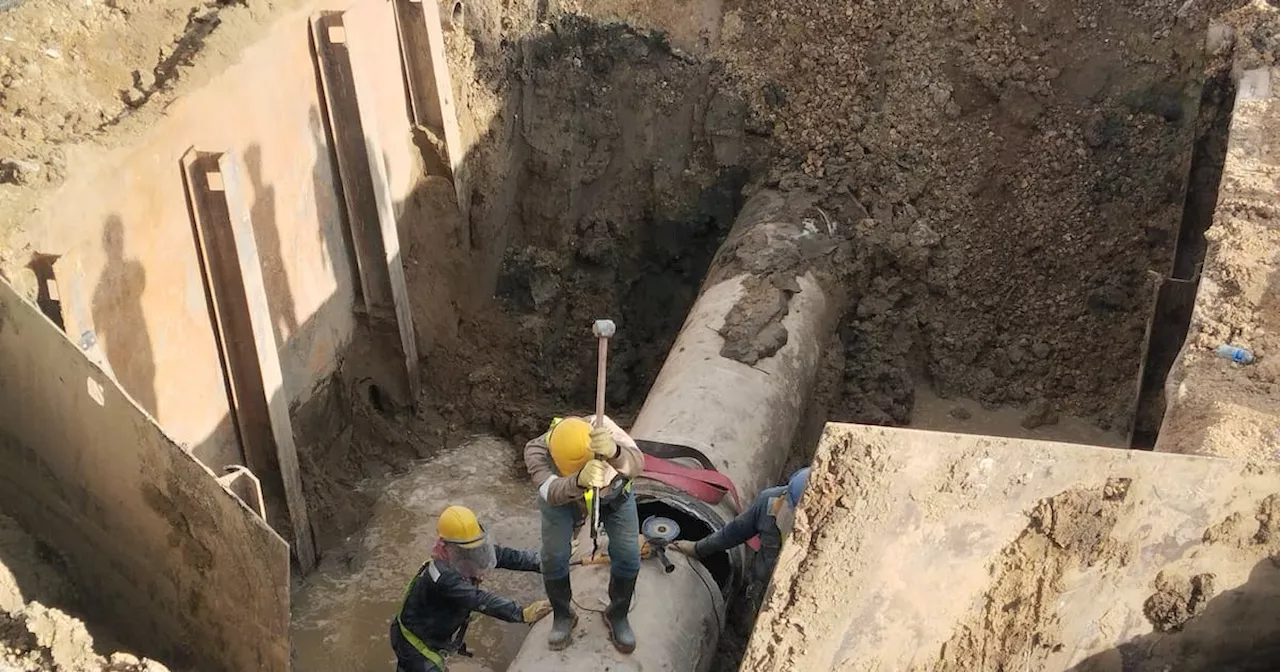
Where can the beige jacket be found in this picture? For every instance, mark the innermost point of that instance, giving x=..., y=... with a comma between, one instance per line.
x=558, y=490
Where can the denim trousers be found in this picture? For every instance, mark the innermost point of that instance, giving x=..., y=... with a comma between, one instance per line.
x=620, y=521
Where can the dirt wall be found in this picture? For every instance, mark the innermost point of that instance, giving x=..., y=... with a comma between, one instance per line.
x=180, y=569
x=1013, y=174
x=924, y=550
x=605, y=169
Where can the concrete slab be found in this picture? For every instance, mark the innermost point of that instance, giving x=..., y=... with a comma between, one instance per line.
x=242, y=318
x=185, y=571
x=350, y=94
x=139, y=289
x=924, y=550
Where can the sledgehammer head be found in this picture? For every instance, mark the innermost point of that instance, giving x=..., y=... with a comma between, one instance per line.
x=604, y=328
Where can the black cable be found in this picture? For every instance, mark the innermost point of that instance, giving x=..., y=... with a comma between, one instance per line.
x=720, y=624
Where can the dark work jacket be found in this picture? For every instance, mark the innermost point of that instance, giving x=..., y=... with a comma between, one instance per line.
x=440, y=600
x=758, y=519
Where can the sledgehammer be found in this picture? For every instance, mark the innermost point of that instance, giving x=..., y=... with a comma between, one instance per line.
x=603, y=330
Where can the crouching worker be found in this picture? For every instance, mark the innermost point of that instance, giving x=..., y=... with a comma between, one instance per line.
x=771, y=517
x=432, y=622
x=566, y=464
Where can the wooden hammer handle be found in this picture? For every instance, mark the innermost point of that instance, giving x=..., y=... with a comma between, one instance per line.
x=601, y=360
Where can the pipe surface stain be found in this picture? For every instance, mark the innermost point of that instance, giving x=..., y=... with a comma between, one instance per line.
x=342, y=612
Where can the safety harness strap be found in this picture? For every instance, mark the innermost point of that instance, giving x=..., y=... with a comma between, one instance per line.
x=415, y=641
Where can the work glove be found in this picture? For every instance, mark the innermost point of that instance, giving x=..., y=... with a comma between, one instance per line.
x=685, y=546
x=602, y=443
x=534, y=612
x=593, y=475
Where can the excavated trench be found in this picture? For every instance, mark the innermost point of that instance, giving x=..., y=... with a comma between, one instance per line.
x=607, y=227
x=1007, y=242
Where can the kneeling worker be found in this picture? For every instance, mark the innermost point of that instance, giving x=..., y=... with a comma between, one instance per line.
x=566, y=464
x=771, y=517
x=432, y=622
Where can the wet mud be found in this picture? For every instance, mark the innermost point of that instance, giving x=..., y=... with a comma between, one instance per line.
x=341, y=613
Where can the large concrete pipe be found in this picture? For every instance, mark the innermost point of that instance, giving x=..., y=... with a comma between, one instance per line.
x=733, y=387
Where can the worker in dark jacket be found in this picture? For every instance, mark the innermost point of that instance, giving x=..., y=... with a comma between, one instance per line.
x=770, y=517
x=432, y=622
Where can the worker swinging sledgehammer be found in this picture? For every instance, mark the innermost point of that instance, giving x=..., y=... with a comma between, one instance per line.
x=585, y=466
x=432, y=622
x=567, y=463
x=771, y=517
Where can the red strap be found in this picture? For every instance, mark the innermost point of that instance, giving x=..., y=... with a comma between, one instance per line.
x=707, y=485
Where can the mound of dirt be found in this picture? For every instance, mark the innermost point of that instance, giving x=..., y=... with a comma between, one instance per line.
x=1014, y=171
x=1177, y=600
x=34, y=637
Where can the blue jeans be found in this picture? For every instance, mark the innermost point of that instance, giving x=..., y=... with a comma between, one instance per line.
x=620, y=521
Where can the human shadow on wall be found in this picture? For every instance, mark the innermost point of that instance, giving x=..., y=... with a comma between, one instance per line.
x=339, y=248
x=266, y=233
x=118, y=319
x=1238, y=631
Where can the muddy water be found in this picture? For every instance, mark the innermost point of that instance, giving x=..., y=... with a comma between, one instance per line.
x=341, y=613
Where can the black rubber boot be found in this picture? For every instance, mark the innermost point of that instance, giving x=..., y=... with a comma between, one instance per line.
x=563, y=617
x=615, y=615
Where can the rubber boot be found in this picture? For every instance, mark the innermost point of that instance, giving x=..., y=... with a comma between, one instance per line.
x=615, y=615
x=563, y=617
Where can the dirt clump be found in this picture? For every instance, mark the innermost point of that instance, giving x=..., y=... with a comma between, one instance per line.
x=1239, y=531
x=1017, y=622
x=1039, y=413
x=1177, y=600
x=34, y=636
x=780, y=236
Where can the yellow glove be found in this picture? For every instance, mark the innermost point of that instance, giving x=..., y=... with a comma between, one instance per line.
x=602, y=443
x=685, y=546
x=536, y=611
x=593, y=475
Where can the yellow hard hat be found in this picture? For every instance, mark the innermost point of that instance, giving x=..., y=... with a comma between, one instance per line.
x=570, y=445
x=458, y=525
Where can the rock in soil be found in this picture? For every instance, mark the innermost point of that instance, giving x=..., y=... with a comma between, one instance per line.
x=1039, y=414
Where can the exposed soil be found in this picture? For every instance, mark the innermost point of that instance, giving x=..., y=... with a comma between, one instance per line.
x=35, y=637
x=1015, y=626
x=1014, y=170
x=580, y=210
x=608, y=217
x=1218, y=407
